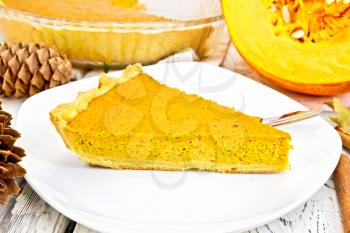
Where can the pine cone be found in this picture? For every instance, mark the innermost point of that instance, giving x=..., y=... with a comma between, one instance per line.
x=10, y=155
x=26, y=69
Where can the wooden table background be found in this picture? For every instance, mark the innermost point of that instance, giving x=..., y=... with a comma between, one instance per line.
x=29, y=213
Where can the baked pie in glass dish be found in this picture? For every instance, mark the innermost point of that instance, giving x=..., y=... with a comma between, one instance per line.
x=118, y=33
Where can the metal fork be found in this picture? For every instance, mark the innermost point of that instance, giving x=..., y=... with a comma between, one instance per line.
x=292, y=117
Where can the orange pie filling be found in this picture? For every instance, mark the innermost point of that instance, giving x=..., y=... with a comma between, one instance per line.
x=139, y=123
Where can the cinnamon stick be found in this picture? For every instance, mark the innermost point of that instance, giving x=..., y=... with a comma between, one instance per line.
x=344, y=137
x=342, y=186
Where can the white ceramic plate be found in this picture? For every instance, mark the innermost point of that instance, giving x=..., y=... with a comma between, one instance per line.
x=154, y=201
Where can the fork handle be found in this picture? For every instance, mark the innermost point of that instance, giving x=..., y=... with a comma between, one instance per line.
x=292, y=117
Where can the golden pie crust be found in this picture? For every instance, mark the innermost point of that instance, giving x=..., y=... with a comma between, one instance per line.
x=134, y=122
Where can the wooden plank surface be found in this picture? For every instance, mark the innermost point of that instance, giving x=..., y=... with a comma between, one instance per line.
x=29, y=213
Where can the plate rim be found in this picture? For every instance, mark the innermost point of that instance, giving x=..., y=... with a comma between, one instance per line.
x=262, y=219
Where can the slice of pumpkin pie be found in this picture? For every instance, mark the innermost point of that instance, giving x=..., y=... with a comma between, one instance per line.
x=134, y=122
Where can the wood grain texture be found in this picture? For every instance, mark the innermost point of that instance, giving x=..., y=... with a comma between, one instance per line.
x=29, y=213
x=342, y=186
x=320, y=214
x=82, y=229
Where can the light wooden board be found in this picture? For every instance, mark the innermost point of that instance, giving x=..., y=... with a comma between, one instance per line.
x=29, y=213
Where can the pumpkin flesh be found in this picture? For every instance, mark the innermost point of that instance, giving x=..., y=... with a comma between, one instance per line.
x=315, y=61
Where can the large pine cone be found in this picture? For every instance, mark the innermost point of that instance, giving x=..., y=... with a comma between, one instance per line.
x=26, y=69
x=10, y=155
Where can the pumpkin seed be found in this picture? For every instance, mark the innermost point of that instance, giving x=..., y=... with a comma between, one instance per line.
x=273, y=8
x=286, y=14
x=298, y=33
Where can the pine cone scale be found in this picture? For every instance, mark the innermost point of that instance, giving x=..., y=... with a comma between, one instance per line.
x=24, y=74
x=18, y=151
x=32, y=62
x=6, y=56
x=14, y=65
x=3, y=186
x=38, y=81
x=7, y=141
x=5, y=118
x=22, y=54
x=45, y=70
x=8, y=156
x=9, y=83
x=43, y=55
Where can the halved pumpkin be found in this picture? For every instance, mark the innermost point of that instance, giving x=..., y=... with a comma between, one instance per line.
x=301, y=45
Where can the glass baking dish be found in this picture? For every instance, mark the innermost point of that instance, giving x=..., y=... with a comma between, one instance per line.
x=195, y=24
